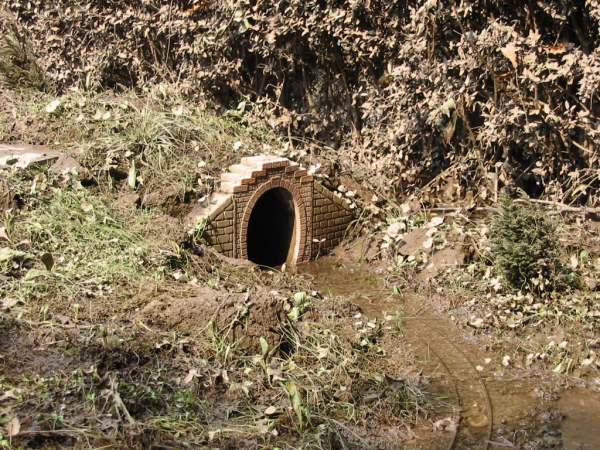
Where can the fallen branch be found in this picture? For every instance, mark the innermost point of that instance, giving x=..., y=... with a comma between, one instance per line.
x=444, y=209
x=560, y=206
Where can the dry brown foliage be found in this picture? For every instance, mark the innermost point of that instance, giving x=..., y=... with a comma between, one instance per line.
x=455, y=99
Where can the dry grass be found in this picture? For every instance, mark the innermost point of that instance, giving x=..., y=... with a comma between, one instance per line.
x=82, y=365
x=75, y=246
x=164, y=140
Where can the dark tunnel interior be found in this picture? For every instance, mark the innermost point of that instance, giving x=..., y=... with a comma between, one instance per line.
x=271, y=228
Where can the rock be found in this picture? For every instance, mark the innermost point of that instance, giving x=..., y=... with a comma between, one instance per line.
x=65, y=164
x=127, y=201
x=23, y=156
x=442, y=260
x=413, y=241
x=160, y=198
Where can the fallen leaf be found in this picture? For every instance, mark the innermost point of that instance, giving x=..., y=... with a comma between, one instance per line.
x=510, y=53
x=436, y=221
x=190, y=376
x=574, y=262
x=52, y=106
x=8, y=395
x=271, y=410
x=557, y=49
x=14, y=427
x=476, y=322
x=447, y=424
x=264, y=346
x=48, y=261
x=132, y=175
x=8, y=303
x=86, y=207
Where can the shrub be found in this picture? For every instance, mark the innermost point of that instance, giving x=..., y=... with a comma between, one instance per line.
x=18, y=66
x=525, y=247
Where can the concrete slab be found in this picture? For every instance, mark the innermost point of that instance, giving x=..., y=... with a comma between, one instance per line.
x=23, y=156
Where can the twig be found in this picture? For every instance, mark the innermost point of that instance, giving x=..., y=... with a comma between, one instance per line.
x=118, y=403
x=458, y=208
x=63, y=432
x=582, y=148
x=560, y=206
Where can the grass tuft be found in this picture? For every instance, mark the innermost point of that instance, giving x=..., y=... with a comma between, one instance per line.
x=78, y=247
x=18, y=66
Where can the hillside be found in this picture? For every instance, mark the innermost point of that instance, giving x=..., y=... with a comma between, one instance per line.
x=462, y=99
x=462, y=309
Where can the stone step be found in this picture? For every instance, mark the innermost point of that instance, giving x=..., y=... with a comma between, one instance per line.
x=203, y=210
x=217, y=198
x=213, y=203
x=241, y=169
x=228, y=187
x=253, y=162
x=262, y=162
x=234, y=177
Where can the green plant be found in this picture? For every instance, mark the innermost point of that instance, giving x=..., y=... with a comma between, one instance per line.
x=525, y=247
x=18, y=66
x=92, y=250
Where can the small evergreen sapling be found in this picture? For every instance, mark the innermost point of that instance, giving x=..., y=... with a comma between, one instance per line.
x=525, y=247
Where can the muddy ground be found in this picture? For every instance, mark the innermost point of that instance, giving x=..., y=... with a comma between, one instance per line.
x=119, y=329
x=492, y=400
x=153, y=365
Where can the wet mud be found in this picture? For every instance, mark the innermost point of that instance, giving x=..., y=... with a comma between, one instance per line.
x=480, y=403
x=580, y=426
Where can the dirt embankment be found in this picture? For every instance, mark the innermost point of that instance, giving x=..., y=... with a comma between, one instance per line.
x=242, y=318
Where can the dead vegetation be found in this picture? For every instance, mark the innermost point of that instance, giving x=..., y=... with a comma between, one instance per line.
x=117, y=329
x=444, y=100
x=522, y=279
x=162, y=143
x=18, y=63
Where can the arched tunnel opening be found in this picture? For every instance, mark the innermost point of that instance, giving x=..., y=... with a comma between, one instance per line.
x=270, y=237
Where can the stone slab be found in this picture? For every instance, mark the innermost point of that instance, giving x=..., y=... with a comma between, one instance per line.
x=23, y=156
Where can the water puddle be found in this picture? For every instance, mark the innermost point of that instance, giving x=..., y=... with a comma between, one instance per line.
x=487, y=411
x=581, y=424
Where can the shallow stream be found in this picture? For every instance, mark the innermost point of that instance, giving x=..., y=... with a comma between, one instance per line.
x=491, y=407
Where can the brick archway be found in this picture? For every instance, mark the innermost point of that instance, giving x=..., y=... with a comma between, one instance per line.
x=320, y=216
x=300, y=222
